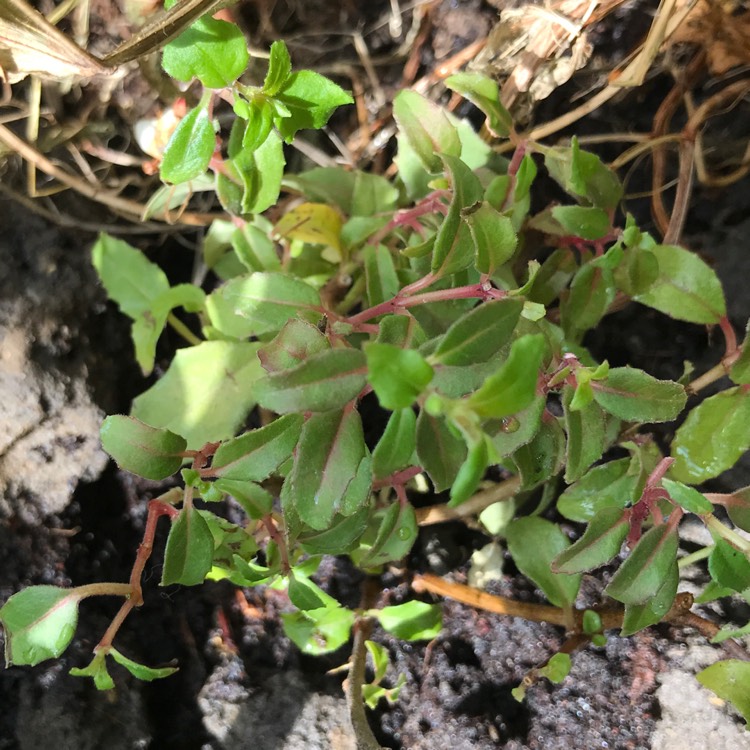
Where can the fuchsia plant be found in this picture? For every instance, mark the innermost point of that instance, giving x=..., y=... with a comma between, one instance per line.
x=470, y=339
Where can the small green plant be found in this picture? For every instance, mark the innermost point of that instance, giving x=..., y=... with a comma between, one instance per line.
x=430, y=292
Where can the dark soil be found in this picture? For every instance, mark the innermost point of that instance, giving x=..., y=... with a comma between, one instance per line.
x=241, y=683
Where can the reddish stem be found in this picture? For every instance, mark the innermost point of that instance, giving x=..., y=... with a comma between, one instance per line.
x=274, y=533
x=399, y=477
x=729, y=336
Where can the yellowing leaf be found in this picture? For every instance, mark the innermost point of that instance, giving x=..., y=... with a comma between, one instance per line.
x=316, y=223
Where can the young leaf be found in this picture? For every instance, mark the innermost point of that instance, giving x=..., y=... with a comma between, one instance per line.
x=591, y=293
x=586, y=430
x=439, y=450
x=325, y=381
x=97, y=670
x=651, y=611
x=605, y=486
x=513, y=387
x=332, y=469
x=729, y=680
x=319, y=631
x=398, y=376
x=131, y=280
x=259, y=171
x=647, y=567
x=252, y=498
x=394, y=531
x=713, y=437
x=256, y=454
x=39, y=623
x=494, y=237
x=380, y=274
x=254, y=248
x=310, y=99
x=296, y=342
x=542, y=457
x=534, y=544
x=140, y=671
x=687, y=497
x=205, y=394
x=304, y=594
x=412, y=621
x=599, y=544
x=480, y=334
x=395, y=449
x=341, y=537
x=189, y=551
x=148, y=326
x=483, y=92
x=279, y=68
x=728, y=566
x=471, y=472
x=214, y=52
x=426, y=128
x=454, y=249
x=686, y=288
x=141, y=449
x=190, y=148
x=635, y=396
x=268, y=300
x=586, y=222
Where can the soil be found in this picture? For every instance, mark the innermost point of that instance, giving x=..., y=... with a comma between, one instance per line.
x=68, y=516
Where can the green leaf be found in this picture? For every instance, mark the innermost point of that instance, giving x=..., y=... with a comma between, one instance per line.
x=214, y=52
x=255, y=249
x=304, y=594
x=471, y=472
x=327, y=380
x=140, y=671
x=557, y=668
x=635, y=396
x=131, y=280
x=332, y=469
x=148, y=326
x=441, y=453
x=395, y=449
x=341, y=537
x=638, y=272
x=729, y=680
x=311, y=99
x=258, y=117
x=513, y=387
x=427, y=129
x=140, y=449
x=39, y=623
x=319, y=631
x=279, y=68
x=582, y=174
x=380, y=275
x=190, y=549
x=543, y=457
x=268, y=300
x=687, y=497
x=252, y=498
x=609, y=485
x=97, y=670
x=647, y=567
x=729, y=567
x=257, y=454
x=738, y=507
x=398, y=376
x=454, y=246
x=259, y=171
x=480, y=334
x=586, y=222
x=686, y=288
x=390, y=536
x=494, y=237
x=713, y=437
x=190, y=148
x=511, y=433
x=295, y=343
x=599, y=544
x=534, y=543
x=205, y=394
x=587, y=435
x=411, y=621
x=483, y=92
x=639, y=616
x=592, y=291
